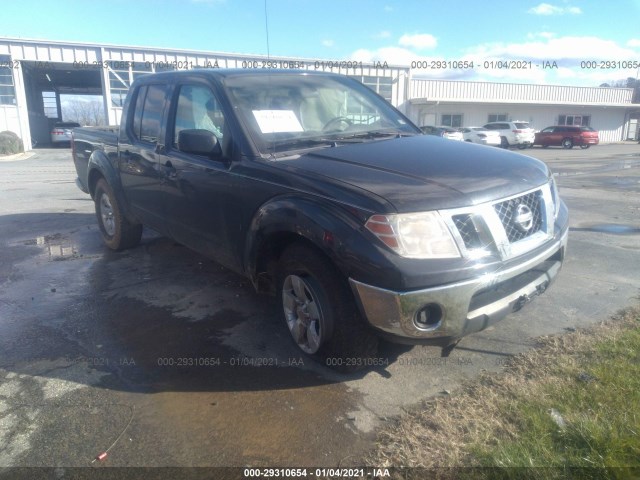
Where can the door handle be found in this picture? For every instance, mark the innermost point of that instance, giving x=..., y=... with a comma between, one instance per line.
x=169, y=171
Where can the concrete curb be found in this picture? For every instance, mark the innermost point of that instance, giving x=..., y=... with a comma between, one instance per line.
x=16, y=157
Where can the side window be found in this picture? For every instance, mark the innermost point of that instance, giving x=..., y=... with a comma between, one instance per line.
x=152, y=114
x=198, y=109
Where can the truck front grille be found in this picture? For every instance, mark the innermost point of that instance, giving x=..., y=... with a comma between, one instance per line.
x=467, y=230
x=521, y=216
x=507, y=227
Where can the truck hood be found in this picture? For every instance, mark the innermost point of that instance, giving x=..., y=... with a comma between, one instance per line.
x=425, y=172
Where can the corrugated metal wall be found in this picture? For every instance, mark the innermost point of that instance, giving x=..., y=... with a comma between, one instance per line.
x=84, y=56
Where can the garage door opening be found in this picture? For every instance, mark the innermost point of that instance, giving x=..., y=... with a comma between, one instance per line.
x=57, y=92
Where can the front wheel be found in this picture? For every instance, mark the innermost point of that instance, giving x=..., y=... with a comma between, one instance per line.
x=584, y=146
x=504, y=143
x=320, y=311
x=118, y=233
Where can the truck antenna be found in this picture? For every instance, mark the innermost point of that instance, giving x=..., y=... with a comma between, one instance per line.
x=266, y=27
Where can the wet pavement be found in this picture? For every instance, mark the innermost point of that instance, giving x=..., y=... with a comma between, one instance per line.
x=160, y=357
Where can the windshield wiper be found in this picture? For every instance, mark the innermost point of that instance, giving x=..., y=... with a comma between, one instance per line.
x=305, y=142
x=286, y=147
x=375, y=134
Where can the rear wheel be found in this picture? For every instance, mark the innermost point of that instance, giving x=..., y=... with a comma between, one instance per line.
x=320, y=311
x=117, y=232
x=567, y=143
x=504, y=143
x=584, y=146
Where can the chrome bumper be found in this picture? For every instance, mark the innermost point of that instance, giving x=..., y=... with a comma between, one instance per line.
x=461, y=314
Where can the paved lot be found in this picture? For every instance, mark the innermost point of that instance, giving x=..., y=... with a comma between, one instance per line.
x=159, y=349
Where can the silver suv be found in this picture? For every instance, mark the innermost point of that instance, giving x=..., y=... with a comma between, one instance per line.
x=513, y=133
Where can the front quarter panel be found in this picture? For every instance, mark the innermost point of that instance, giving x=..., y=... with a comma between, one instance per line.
x=336, y=230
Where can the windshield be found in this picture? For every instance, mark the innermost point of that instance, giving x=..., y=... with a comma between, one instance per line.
x=285, y=112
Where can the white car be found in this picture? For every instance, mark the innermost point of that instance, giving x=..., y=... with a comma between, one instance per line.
x=481, y=135
x=444, y=132
x=517, y=133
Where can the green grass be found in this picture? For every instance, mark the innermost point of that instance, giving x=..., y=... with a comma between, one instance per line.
x=601, y=413
x=591, y=378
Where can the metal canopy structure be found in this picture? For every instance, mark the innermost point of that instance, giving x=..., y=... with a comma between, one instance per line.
x=34, y=73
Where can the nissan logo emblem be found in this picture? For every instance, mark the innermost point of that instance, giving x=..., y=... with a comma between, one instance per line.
x=522, y=218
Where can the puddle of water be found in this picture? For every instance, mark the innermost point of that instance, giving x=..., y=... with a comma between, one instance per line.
x=613, y=228
x=55, y=246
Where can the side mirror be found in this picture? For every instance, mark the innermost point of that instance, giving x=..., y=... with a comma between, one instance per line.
x=199, y=142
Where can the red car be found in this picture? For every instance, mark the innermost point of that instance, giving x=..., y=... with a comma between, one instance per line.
x=567, y=136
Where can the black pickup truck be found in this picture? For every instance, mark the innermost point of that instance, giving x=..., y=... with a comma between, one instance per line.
x=324, y=195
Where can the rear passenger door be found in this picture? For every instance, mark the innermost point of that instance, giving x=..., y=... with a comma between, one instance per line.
x=559, y=133
x=139, y=154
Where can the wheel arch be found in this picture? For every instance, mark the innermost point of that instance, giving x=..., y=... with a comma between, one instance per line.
x=326, y=228
x=101, y=167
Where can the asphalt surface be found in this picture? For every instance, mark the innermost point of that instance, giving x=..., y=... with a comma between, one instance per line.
x=163, y=358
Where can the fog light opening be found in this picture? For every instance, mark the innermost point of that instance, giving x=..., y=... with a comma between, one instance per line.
x=429, y=317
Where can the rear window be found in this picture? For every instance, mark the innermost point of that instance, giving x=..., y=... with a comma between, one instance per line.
x=67, y=124
x=587, y=129
x=522, y=125
x=148, y=112
x=151, y=113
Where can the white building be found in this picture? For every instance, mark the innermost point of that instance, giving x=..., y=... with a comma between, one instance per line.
x=34, y=73
x=454, y=103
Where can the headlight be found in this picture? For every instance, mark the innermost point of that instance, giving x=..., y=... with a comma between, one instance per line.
x=414, y=235
x=555, y=196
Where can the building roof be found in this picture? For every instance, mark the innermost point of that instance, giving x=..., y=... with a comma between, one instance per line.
x=428, y=91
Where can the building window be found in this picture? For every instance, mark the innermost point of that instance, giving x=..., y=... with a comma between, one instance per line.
x=383, y=86
x=7, y=90
x=576, y=120
x=497, y=117
x=50, y=105
x=454, y=121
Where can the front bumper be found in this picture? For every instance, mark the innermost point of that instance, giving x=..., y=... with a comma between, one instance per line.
x=465, y=307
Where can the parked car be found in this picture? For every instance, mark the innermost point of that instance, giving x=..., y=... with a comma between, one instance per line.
x=517, y=133
x=481, y=135
x=61, y=132
x=445, y=132
x=358, y=224
x=567, y=136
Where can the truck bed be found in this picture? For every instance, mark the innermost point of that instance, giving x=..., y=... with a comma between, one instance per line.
x=85, y=141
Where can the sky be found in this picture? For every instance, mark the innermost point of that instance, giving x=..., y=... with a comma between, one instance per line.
x=591, y=42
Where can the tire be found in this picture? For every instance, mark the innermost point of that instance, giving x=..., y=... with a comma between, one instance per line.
x=584, y=146
x=567, y=143
x=117, y=232
x=522, y=146
x=320, y=311
x=504, y=143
